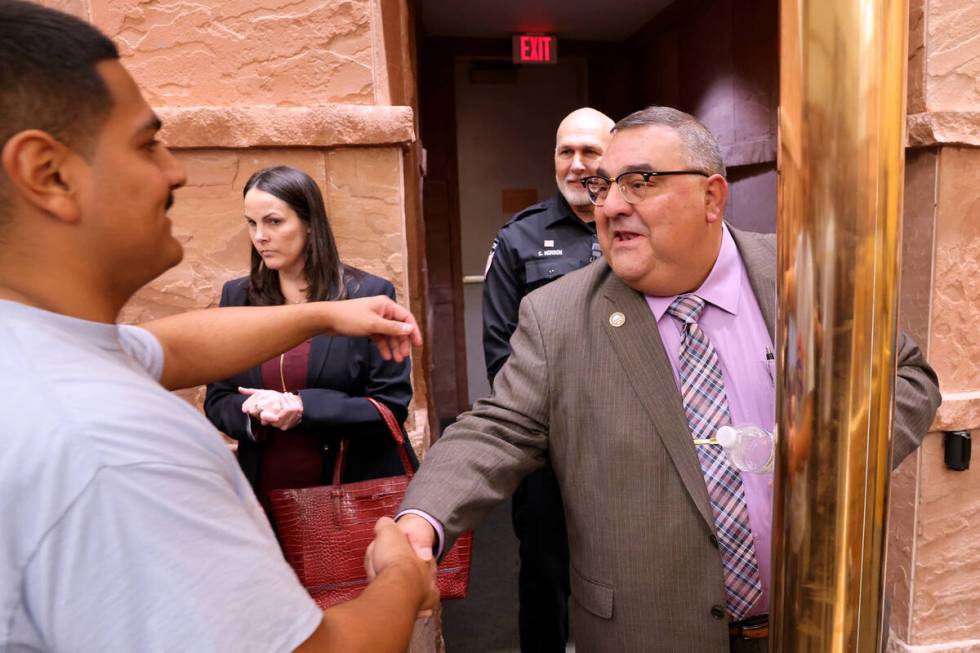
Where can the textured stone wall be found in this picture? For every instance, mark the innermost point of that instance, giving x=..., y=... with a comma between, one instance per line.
x=78, y=8
x=934, y=563
x=944, y=606
x=944, y=72
x=244, y=52
x=221, y=53
x=952, y=68
x=956, y=300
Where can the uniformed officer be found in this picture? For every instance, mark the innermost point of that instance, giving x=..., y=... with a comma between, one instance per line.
x=538, y=245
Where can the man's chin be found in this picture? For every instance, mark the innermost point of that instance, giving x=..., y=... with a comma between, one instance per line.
x=574, y=197
x=171, y=254
x=629, y=270
x=178, y=254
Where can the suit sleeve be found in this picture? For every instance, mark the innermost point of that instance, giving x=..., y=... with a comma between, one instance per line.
x=501, y=301
x=917, y=399
x=222, y=401
x=479, y=460
x=387, y=381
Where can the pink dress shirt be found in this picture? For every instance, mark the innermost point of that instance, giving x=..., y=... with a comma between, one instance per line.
x=734, y=323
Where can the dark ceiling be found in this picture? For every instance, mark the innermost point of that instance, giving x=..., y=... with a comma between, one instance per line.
x=601, y=20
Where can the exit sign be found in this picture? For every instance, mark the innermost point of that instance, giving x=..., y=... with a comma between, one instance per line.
x=535, y=48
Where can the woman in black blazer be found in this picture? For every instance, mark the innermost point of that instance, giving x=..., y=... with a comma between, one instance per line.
x=290, y=413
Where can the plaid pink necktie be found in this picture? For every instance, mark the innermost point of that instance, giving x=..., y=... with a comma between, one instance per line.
x=703, y=393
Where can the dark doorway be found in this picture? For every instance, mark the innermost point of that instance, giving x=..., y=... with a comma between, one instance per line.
x=488, y=127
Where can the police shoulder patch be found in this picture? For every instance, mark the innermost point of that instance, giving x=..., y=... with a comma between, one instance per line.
x=493, y=248
x=534, y=209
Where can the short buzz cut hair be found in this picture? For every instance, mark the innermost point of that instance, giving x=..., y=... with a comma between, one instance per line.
x=703, y=151
x=48, y=79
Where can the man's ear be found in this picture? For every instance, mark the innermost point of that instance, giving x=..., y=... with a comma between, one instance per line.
x=42, y=172
x=715, y=196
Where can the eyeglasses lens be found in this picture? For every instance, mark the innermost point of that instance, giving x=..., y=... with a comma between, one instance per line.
x=633, y=187
x=597, y=189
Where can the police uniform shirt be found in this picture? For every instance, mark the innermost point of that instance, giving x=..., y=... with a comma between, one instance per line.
x=537, y=246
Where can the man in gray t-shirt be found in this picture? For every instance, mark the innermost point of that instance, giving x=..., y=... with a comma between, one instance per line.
x=128, y=521
x=125, y=523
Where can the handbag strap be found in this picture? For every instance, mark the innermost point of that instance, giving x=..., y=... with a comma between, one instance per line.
x=396, y=433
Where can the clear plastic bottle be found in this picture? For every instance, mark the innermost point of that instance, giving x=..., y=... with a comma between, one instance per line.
x=749, y=448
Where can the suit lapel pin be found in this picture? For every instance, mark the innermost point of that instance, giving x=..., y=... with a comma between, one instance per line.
x=617, y=319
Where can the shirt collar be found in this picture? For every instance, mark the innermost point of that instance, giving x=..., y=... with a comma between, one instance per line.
x=105, y=336
x=565, y=212
x=721, y=288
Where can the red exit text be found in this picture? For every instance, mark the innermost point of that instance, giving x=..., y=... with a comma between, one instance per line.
x=531, y=48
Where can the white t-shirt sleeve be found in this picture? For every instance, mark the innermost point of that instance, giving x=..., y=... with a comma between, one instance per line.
x=156, y=557
x=144, y=347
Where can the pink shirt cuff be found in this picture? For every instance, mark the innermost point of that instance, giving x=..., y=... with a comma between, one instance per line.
x=436, y=526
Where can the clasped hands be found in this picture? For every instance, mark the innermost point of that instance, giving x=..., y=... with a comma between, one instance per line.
x=281, y=410
x=394, y=548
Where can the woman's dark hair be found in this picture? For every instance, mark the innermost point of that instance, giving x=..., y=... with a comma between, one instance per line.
x=325, y=274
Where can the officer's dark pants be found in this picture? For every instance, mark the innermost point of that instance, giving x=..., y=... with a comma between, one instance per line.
x=539, y=523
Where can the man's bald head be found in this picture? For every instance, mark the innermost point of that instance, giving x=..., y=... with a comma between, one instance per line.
x=581, y=139
x=586, y=118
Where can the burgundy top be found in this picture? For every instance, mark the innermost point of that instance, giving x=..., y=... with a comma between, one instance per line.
x=291, y=459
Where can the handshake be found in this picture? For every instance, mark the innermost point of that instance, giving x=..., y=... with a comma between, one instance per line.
x=402, y=553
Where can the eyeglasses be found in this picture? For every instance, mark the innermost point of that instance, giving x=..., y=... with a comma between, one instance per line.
x=632, y=184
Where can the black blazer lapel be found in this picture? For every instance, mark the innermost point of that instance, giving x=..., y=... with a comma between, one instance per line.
x=652, y=378
x=319, y=353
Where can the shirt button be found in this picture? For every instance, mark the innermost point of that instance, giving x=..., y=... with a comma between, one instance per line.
x=551, y=270
x=718, y=612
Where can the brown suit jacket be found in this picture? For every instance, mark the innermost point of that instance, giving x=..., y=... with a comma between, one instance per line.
x=601, y=402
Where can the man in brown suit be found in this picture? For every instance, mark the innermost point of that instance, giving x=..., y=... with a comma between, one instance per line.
x=591, y=386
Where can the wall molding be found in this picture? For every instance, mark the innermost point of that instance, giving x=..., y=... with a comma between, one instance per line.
x=944, y=128
x=331, y=125
x=960, y=411
x=896, y=645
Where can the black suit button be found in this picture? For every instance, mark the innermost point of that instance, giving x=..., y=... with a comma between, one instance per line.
x=718, y=612
x=714, y=541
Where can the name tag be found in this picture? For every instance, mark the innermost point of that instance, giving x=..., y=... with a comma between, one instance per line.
x=550, y=252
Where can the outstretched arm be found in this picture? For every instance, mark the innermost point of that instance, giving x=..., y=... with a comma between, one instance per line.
x=479, y=461
x=211, y=344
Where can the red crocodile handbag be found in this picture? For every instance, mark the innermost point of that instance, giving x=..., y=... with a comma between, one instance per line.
x=325, y=531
